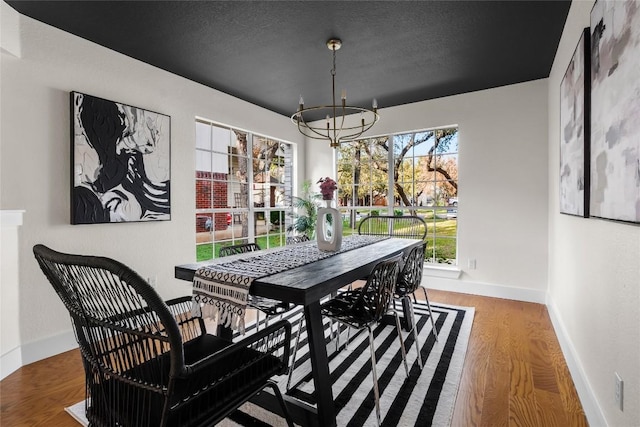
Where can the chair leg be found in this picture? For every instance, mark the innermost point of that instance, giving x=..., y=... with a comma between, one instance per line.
x=293, y=356
x=415, y=332
x=433, y=322
x=376, y=393
x=346, y=346
x=399, y=331
x=278, y=394
x=257, y=320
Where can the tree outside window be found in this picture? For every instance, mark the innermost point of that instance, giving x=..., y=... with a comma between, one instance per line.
x=413, y=173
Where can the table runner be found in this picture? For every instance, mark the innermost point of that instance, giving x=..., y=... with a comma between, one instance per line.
x=220, y=291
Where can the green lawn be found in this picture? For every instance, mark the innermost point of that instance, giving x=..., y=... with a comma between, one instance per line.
x=205, y=251
x=444, y=241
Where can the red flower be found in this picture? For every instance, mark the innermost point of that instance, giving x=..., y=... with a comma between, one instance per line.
x=327, y=187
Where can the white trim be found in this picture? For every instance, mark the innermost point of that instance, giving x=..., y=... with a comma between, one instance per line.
x=11, y=218
x=592, y=410
x=10, y=362
x=444, y=271
x=485, y=289
x=47, y=347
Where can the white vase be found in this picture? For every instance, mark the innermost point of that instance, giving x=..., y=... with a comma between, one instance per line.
x=329, y=235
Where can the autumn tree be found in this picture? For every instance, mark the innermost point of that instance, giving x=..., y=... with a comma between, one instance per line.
x=376, y=151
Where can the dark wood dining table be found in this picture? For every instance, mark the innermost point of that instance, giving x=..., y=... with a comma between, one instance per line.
x=306, y=285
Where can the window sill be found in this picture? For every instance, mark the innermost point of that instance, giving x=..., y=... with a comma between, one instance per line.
x=447, y=272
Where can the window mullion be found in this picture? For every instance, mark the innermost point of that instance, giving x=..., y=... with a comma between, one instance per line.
x=390, y=174
x=251, y=215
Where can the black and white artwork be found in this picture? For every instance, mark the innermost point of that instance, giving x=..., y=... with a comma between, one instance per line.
x=121, y=166
x=575, y=133
x=615, y=110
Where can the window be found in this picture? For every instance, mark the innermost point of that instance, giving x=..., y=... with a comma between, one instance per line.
x=242, y=183
x=414, y=173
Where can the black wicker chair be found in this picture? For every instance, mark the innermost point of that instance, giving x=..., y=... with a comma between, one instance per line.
x=364, y=307
x=149, y=362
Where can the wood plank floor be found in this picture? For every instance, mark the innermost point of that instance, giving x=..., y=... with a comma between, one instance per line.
x=514, y=374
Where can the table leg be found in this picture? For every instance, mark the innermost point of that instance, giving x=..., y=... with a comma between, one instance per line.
x=406, y=313
x=320, y=365
x=224, y=332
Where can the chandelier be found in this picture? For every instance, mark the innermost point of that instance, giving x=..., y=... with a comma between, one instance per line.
x=334, y=128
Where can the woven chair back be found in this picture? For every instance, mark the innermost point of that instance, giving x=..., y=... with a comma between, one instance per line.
x=238, y=249
x=292, y=240
x=411, y=275
x=378, y=291
x=410, y=227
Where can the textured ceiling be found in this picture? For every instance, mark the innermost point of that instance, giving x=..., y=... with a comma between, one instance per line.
x=270, y=52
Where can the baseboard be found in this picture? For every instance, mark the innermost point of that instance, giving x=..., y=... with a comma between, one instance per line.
x=47, y=347
x=10, y=362
x=592, y=410
x=485, y=289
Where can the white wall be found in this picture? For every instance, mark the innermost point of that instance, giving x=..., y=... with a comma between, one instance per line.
x=35, y=157
x=503, y=156
x=10, y=348
x=594, y=277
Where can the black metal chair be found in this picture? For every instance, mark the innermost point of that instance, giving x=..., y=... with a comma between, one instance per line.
x=410, y=279
x=408, y=282
x=270, y=307
x=149, y=362
x=364, y=307
x=409, y=227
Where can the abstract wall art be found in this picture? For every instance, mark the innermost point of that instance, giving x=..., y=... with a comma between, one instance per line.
x=615, y=110
x=575, y=132
x=121, y=162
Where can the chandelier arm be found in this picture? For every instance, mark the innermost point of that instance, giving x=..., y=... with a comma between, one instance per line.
x=355, y=130
x=299, y=118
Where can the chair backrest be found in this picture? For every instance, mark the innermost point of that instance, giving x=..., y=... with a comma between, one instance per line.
x=411, y=227
x=378, y=291
x=292, y=240
x=238, y=249
x=119, y=320
x=411, y=275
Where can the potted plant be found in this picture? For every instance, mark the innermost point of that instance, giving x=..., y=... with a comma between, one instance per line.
x=306, y=209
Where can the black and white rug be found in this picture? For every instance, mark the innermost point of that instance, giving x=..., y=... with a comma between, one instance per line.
x=426, y=398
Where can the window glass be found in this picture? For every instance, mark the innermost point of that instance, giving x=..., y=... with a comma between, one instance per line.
x=423, y=167
x=242, y=184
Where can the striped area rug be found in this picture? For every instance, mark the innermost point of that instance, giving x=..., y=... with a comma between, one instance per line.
x=426, y=398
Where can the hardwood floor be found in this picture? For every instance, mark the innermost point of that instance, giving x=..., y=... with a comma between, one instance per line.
x=514, y=374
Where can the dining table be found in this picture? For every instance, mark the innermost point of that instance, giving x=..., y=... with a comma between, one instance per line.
x=306, y=285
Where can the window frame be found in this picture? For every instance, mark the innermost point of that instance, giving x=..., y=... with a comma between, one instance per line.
x=242, y=213
x=434, y=213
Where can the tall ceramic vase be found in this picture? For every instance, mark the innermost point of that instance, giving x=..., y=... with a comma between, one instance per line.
x=329, y=235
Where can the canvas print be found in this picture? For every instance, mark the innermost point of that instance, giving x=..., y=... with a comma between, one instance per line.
x=120, y=162
x=575, y=133
x=615, y=110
